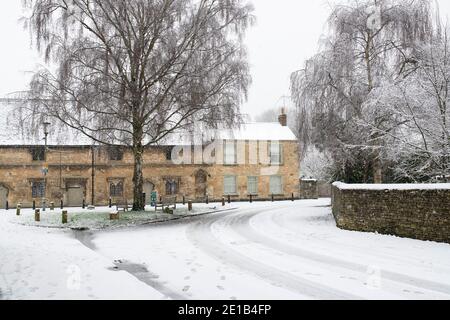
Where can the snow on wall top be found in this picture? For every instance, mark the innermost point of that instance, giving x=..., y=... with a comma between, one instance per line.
x=381, y=187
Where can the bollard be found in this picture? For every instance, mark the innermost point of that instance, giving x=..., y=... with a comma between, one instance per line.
x=229, y=199
x=62, y=204
x=110, y=202
x=184, y=200
x=293, y=198
x=189, y=205
x=273, y=198
x=64, y=216
x=52, y=206
x=34, y=204
x=251, y=198
x=37, y=215
x=7, y=205
x=19, y=207
x=207, y=199
x=84, y=204
x=223, y=202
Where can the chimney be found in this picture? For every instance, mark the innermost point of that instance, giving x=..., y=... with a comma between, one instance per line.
x=283, y=118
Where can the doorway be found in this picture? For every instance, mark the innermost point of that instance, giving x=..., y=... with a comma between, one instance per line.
x=75, y=195
x=201, y=184
x=3, y=196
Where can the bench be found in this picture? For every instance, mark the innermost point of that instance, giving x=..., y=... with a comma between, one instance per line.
x=167, y=202
x=123, y=206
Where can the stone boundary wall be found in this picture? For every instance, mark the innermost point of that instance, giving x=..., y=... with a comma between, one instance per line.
x=412, y=211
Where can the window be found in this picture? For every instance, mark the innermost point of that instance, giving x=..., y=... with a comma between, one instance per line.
x=38, y=153
x=115, y=154
x=230, y=185
x=275, y=153
x=116, y=189
x=169, y=153
x=38, y=189
x=276, y=185
x=172, y=187
x=252, y=185
x=230, y=153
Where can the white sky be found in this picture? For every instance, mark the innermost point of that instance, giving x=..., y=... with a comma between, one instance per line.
x=285, y=35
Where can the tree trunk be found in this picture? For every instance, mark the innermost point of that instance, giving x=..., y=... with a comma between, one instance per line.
x=138, y=178
x=377, y=169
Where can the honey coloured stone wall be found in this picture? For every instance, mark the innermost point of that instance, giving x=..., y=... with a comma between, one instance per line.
x=70, y=175
x=411, y=211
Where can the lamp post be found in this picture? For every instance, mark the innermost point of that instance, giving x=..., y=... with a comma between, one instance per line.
x=45, y=169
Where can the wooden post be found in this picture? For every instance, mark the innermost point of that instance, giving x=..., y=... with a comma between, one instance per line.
x=7, y=205
x=84, y=204
x=184, y=200
x=34, y=204
x=114, y=216
x=64, y=216
x=273, y=198
x=37, y=215
x=144, y=197
x=207, y=199
x=190, y=205
x=62, y=204
x=110, y=202
x=223, y=202
x=229, y=199
x=293, y=198
x=251, y=198
x=52, y=206
x=19, y=207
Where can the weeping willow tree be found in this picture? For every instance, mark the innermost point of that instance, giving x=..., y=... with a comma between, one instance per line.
x=368, y=43
x=133, y=72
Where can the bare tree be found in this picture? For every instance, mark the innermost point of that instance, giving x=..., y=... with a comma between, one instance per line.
x=368, y=42
x=132, y=72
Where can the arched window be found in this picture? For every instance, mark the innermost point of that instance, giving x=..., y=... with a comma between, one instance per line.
x=116, y=189
x=171, y=187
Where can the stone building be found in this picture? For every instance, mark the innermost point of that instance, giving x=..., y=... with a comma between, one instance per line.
x=78, y=171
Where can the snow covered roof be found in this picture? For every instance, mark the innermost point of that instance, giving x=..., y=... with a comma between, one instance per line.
x=382, y=187
x=12, y=134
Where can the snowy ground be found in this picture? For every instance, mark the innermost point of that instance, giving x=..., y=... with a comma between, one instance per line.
x=98, y=219
x=280, y=250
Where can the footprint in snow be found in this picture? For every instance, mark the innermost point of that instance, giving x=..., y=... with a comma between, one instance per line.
x=186, y=288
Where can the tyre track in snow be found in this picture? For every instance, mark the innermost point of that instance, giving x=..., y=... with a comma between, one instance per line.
x=200, y=234
x=140, y=272
x=241, y=224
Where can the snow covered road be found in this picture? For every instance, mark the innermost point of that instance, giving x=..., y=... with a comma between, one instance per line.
x=280, y=250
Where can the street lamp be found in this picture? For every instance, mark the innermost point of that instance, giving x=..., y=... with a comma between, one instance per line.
x=45, y=169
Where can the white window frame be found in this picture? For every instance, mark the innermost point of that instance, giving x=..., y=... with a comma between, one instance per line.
x=227, y=184
x=276, y=153
x=230, y=159
x=252, y=186
x=272, y=186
